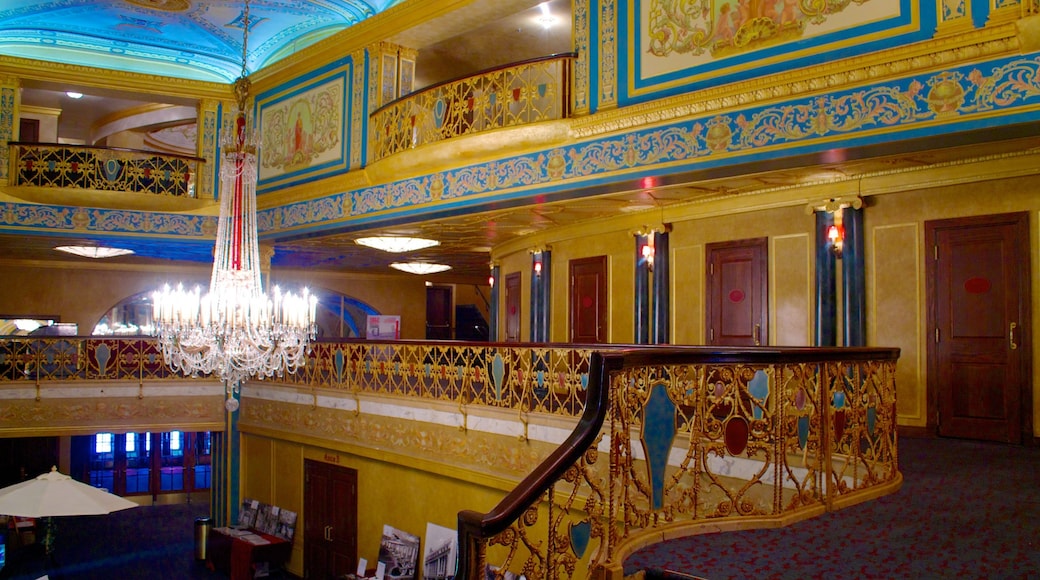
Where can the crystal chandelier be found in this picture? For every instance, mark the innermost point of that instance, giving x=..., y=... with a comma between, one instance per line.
x=235, y=331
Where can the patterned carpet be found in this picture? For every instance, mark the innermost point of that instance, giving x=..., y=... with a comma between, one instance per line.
x=966, y=510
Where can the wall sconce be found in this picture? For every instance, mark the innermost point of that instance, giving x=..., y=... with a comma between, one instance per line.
x=537, y=268
x=537, y=265
x=836, y=236
x=648, y=251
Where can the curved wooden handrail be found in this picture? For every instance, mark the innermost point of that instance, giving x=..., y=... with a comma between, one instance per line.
x=474, y=526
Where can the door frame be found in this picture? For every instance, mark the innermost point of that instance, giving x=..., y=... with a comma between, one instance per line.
x=760, y=262
x=602, y=295
x=1020, y=222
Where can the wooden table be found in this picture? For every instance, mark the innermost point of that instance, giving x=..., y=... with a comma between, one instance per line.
x=237, y=557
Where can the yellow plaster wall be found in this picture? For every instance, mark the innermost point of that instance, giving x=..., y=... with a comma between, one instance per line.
x=896, y=209
x=83, y=292
x=896, y=287
x=390, y=492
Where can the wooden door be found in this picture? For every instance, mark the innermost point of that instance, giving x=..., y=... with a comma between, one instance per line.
x=588, y=300
x=29, y=130
x=737, y=308
x=438, y=313
x=978, y=355
x=513, y=307
x=330, y=520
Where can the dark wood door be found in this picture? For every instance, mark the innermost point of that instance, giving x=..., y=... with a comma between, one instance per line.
x=588, y=300
x=330, y=520
x=979, y=352
x=513, y=307
x=737, y=307
x=438, y=313
x=29, y=130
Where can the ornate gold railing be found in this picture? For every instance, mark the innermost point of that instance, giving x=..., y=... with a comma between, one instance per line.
x=672, y=440
x=102, y=169
x=508, y=96
x=668, y=439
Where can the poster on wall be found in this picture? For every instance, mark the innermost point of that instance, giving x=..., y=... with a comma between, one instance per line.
x=383, y=327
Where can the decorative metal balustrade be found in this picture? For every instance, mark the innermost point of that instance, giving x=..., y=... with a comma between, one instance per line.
x=668, y=440
x=674, y=443
x=102, y=169
x=509, y=96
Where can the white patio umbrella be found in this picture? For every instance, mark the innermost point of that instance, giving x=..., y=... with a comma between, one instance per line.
x=56, y=494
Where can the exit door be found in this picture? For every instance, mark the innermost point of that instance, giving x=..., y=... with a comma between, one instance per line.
x=330, y=520
x=737, y=308
x=978, y=351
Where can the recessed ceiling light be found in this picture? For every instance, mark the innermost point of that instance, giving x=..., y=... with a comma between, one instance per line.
x=73, y=95
x=420, y=267
x=396, y=244
x=94, y=251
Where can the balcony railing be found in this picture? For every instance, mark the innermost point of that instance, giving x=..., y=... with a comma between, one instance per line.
x=668, y=440
x=672, y=443
x=102, y=169
x=508, y=96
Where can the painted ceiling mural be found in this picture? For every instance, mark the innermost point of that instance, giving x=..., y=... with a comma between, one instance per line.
x=680, y=45
x=191, y=39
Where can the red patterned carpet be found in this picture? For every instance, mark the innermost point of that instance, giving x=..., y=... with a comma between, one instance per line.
x=966, y=510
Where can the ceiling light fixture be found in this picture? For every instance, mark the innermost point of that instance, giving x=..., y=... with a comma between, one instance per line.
x=235, y=331
x=95, y=252
x=73, y=95
x=546, y=19
x=396, y=244
x=420, y=267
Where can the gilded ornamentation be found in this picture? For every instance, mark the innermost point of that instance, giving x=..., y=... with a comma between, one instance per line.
x=722, y=28
x=581, y=69
x=479, y=451
x=505, y=97
x=8, y=96
x=358, y=114
x=104, y=169
x=607, y=38
x=741, y=442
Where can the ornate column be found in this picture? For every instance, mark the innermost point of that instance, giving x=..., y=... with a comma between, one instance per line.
x=661, y=279
x=541, y=273
x=207, y=129
x=10, y=99
x=826, y=284
x=644, y=243
x=493, y=302
x=853, y=271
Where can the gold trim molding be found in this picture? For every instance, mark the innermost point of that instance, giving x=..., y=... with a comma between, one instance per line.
x=835, y=76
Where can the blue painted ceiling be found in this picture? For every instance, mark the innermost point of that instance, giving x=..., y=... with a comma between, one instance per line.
x=192, y=39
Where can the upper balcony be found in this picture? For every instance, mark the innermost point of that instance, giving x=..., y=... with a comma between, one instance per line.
x=103, y=177
x=513, y=95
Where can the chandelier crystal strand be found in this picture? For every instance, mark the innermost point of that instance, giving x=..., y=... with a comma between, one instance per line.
x=235, y=331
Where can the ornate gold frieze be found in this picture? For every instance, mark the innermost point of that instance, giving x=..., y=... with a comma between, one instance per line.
x=843, y=74
x=476, y=450
x=28, y=417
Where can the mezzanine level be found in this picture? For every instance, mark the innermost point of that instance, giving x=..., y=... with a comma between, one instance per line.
x=640, y=444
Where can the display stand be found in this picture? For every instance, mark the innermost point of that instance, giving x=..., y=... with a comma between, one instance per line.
x=240, y=558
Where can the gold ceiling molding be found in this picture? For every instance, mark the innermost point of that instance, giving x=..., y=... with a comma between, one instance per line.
x=835, y=76
x=71, y=74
